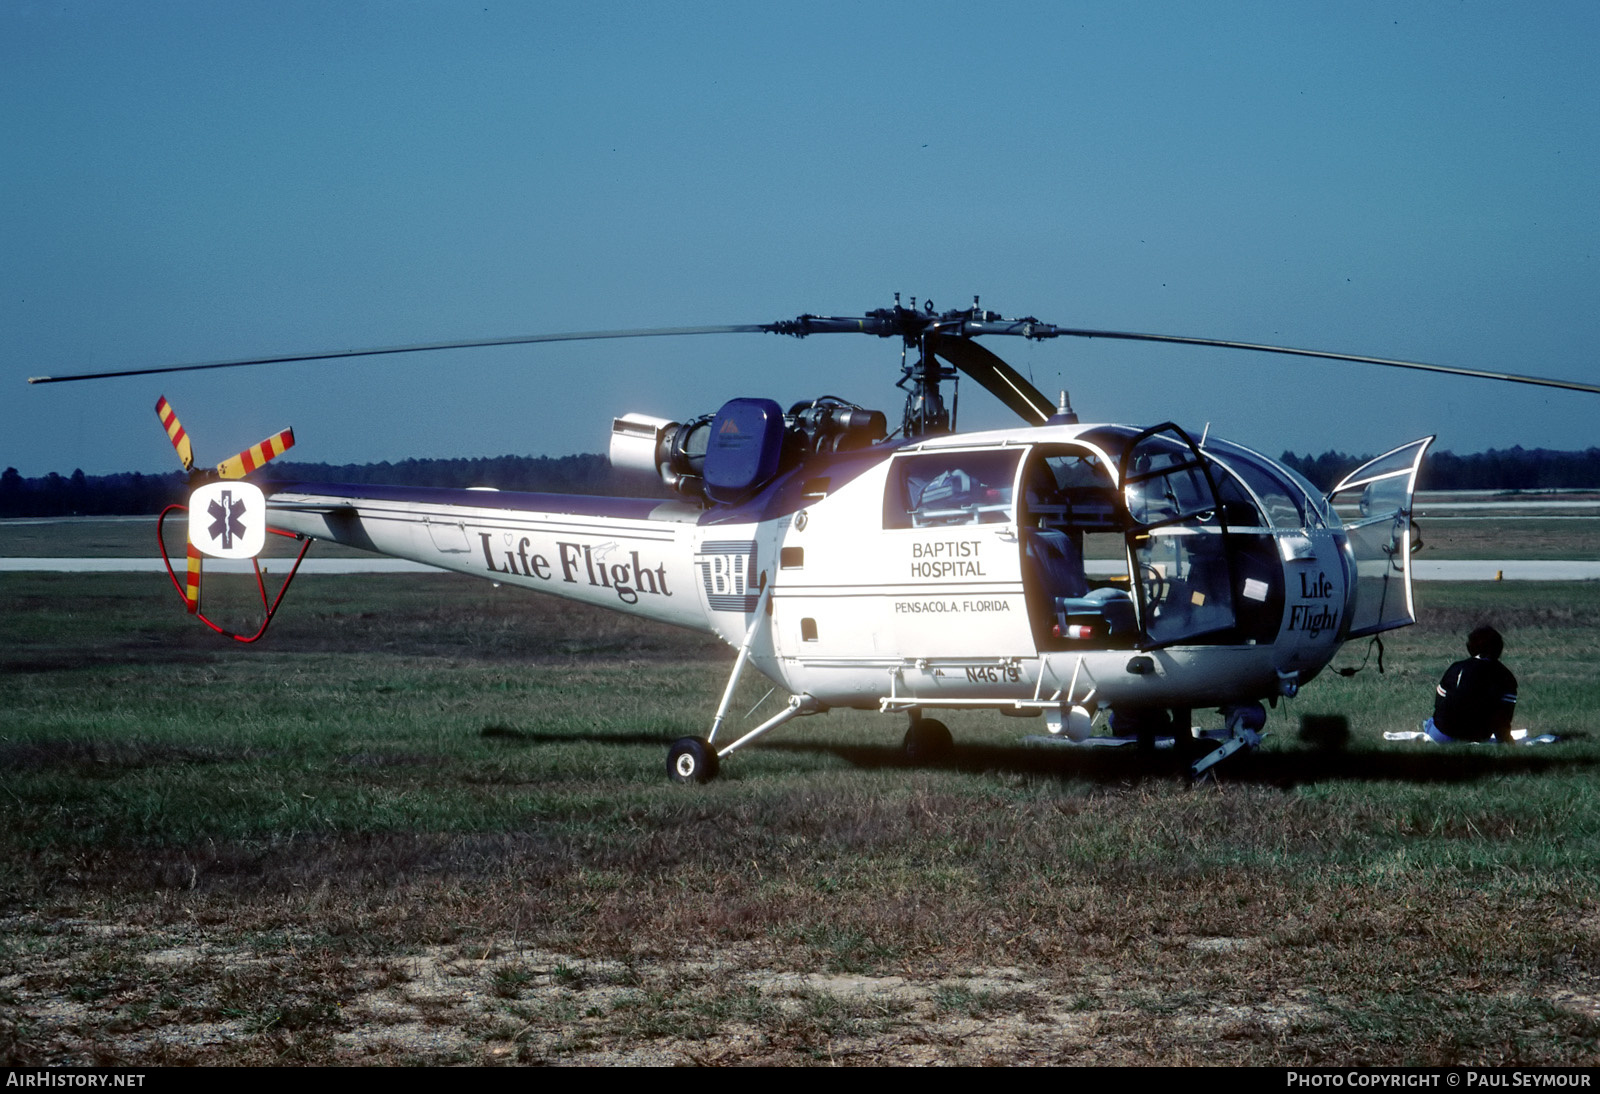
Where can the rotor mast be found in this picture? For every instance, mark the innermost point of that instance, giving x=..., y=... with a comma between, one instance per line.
x=943, y=347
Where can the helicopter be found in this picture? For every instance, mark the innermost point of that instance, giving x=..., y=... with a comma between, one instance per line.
x=1111, y=579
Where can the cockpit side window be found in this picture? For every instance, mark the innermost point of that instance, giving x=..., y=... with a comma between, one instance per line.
x=947, y=489
x=1178, y=541
x=1164, y=483
x=1069, y=491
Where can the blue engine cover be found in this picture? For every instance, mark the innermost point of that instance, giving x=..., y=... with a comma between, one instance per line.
x=746, y=443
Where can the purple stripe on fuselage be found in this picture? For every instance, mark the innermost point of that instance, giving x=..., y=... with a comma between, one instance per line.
x=581, y=505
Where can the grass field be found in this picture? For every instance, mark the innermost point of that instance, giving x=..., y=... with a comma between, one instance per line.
x=427, y=821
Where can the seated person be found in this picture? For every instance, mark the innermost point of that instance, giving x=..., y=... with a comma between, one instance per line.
x=1477, y=696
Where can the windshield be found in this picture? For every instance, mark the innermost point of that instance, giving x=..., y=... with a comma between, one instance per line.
x=1289, y=500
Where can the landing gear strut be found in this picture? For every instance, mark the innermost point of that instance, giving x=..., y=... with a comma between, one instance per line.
x=1244, y=726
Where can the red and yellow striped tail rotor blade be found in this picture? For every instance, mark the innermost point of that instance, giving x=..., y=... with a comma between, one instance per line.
x=191, y=590
x=237, y=467
x=180, y=439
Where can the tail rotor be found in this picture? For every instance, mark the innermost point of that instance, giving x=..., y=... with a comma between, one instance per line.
x=226, y=516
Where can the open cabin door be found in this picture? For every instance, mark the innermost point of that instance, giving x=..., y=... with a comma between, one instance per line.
x=1379, y=537
x=1177, y=540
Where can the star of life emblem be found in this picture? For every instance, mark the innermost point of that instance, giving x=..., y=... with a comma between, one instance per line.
x=228, y=519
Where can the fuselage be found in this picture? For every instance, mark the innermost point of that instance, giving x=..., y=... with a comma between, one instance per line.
x=1101, y=565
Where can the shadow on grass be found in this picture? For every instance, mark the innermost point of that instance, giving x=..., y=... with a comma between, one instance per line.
x=1417, y=764
x=1270, y=768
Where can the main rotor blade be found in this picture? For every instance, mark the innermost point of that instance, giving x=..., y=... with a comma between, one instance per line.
x=883, y=323
x=424, y=347
x=1045, y=330
x=998, y=378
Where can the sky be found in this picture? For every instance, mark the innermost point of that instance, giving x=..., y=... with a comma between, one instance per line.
x=188, y=182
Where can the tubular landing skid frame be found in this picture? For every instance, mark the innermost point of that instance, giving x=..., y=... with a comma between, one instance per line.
x=189, y=589
x=697, y=759
x=1068, y=715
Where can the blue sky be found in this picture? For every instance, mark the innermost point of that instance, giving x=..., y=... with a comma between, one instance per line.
x=194, y=181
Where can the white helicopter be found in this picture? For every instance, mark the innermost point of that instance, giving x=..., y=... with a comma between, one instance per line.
x=913, y=572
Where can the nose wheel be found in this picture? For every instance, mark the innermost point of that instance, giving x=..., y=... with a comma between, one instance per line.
x=692, y=760
x=927, y=740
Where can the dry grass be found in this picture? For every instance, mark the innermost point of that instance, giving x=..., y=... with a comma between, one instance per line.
x=428, y=823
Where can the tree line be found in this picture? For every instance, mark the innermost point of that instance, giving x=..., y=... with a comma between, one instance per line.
x=78, y=494
x=55, y=495
x=1515, y=468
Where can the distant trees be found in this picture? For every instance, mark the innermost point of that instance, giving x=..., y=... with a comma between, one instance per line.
x=1497, y=469
x=585, y=474
x=126, y=494
x=1513, y=469
x=83, y=495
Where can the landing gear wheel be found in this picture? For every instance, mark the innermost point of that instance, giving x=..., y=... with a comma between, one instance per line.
x=928, y=739
x=692, y=760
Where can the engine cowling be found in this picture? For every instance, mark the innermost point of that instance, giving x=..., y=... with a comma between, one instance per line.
x=727, y=456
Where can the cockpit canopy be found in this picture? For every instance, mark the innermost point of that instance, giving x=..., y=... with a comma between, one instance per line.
x=1191, y=532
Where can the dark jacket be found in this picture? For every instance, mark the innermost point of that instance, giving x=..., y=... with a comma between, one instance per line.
x=1476, y=700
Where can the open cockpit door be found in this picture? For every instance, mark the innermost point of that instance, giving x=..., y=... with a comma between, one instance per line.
x=1379, y=539
x=1177, y=541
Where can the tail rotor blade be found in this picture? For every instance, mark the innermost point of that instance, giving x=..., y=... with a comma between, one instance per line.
x=175, y=432
x=188, y=586
x=237, y=467
x=191, y=589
